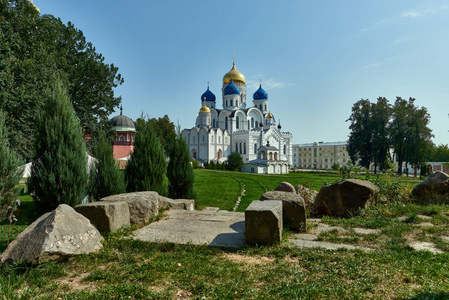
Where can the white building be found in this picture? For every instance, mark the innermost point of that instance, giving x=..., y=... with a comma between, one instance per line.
x=239, y=126
x=320, y=155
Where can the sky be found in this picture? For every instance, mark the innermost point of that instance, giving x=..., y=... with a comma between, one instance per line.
x=315, y=58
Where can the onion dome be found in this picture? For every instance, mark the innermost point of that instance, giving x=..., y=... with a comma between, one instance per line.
x=35, y=7
x=269, y=116
x=208, y=95
x=122, y=123
x=279, y=126
x=231, y=89
x=260, y=94
x=204, y=109
x=234, y=75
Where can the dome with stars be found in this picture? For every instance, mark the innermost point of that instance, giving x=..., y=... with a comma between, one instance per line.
x=260, y=94
x=231, y=89
x=208, y=96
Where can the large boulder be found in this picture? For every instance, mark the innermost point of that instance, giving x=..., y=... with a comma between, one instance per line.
x=433, y=190
x=263, y=222
x=285, y=187
x=293, y=209
x=54, y=236
x=142, y=205
x=345, y=197
x=106, y=216
x=183, y=204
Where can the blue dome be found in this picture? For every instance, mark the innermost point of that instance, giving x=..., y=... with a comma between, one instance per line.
x=260, y=94
x=208, y=95
x=231, y=89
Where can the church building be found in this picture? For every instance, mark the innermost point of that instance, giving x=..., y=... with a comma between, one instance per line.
x=249, y=129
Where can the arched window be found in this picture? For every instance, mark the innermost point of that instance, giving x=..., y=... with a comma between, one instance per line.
x=265, y=106
x=226, y=102
x=236, y=147
x=231, y=102
x=248, y=125
x=244, y=148
x=121, y=138
x=236, y=102
x=255, y=148
x=226, y=123
x=237, y=121
x=213, y=123
x=257, y=124
x=252, y=123
x=260, y=106
x=285, y=149
x=271, y=156
x=275, y=156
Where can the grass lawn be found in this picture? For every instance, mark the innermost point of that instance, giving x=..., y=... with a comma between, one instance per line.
x=127, y=269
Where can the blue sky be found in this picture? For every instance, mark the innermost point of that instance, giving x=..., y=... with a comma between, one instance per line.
x=315, y=58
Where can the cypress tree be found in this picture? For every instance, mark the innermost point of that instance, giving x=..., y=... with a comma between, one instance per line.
x=59, y=170
x=10, y=173
x=105, y=176
x=179, y=171
x=147, y=164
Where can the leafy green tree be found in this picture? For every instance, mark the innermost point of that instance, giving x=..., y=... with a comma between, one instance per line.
x=439, y=153
x=147, y=164
x=381, y=112
x=165, y=130
x=179, y=171
x=10, y=173
x=34, y=50
x=59, y=170
x=105, y=176
x=235, y=161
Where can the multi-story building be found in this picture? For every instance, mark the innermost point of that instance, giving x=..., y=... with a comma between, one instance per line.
x=320, y=155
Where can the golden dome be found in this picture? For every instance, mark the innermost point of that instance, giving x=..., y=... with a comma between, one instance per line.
x=204, y=109
x=235, y=75
x=35, y=7
x=269, y=116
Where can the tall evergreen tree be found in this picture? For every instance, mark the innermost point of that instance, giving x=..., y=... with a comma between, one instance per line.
x=147, y=165
x=59, y=170
x=235, y=161
x=10, y=172
x=105, y=176
x=179, y=171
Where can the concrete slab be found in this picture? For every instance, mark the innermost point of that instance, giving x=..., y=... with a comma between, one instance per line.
x=325, y=245
x=211, y=227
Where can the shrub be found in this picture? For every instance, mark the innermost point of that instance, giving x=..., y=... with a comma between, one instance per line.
x=179, y=171
x=147, y=164
x=59, y=170
x=235, y=161
x=105, y=176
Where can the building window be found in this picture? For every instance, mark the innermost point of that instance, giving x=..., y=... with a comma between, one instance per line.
x=255, y=148
x=213, y=123
x=248, y=125
x=219, y=138
x=285, y=149
x=236, y=147
x=257, y=124
x=244, y=148
x=203, y=138
x=265, y=107
x=240, y=148
x=252, y=123
x=232, y=102
x=121, y=138
x=226, y=123
x=237, y=121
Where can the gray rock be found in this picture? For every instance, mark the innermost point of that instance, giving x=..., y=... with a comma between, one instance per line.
x=345, y=197
x=184, y=204
x=285, y=187
x=433, y=190
x=106, y=216
x=55, y=235
x=293, y=209
x=142, y=205
x=263, y=222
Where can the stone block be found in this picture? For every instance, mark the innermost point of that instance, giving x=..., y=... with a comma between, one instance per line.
x=142, y=205
x=263, y=222
x=184, y=204
x=285, y=187
x=106, y=216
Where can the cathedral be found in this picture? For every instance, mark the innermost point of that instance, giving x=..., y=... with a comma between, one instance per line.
x=250, y=130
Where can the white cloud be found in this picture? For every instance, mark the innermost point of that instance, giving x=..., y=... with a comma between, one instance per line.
x=370, y=65
x=412, y=14
x=267, y=84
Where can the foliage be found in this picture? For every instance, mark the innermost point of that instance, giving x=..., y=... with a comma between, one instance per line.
x=212, y=165
x=179, y=170
x=58, y=173
x=34, y=50
x=335, y=167
x=147, y=165
x=165, y=130
x=195, y=163
x=235, y=161
x=439, y=153
x=105, y=176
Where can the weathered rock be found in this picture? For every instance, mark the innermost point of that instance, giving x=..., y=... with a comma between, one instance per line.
x=106, y=216
x=285, y=187
x=307, y=194
x=345, y=197
x=55, y=235
x=433, y=190
x=293, y=207
x=263, y=222
x=184, y=204
x=142, y=205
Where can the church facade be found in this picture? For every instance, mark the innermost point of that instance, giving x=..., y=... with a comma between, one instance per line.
x=239, y=126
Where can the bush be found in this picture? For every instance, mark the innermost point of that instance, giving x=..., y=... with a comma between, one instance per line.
x=10, y=173
x=105, y=176
x=235, y=161
x=59, y=170
x=179, y=171
x=147, y=164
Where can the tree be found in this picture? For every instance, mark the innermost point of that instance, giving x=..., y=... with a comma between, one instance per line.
x=59, y=169
x=147, y=165
x=10, y=173
x=179, y=171
x=439, y=153
x=165, y=130
x=34, y=50
x=235, y=161
x=380, y=120
x=360, y=142
x=105, y=176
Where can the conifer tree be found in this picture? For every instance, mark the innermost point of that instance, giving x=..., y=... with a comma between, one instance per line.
x=147, y=164
x=179, y=171
x=105, y=176
x=59, y=170
x=10, y=173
